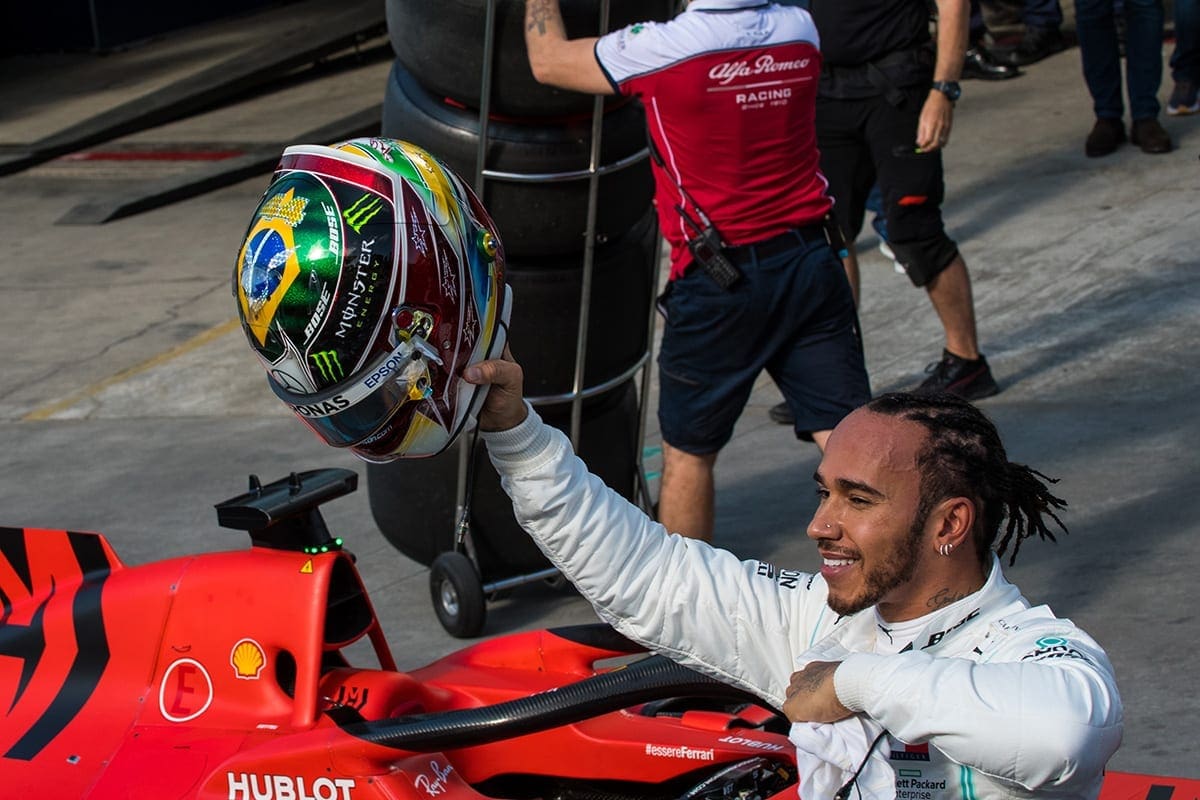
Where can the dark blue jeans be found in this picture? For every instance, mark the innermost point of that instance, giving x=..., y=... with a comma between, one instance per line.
x=1042, y=14
x=1185, y=60
x=1095, y=24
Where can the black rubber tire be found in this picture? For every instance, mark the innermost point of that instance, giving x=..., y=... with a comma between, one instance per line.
x=413, y=500
x=442, y=44
x=539, y=218
x=457, y=595
x=544, y=332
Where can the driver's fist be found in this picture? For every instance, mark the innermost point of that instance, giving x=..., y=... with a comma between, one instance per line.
x=811, y=696
x=504, y=407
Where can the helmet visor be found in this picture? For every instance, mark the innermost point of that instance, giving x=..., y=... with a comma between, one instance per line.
x=345, y=414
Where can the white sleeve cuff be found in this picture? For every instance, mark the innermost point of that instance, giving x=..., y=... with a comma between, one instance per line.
x=513, y=446
x=852, y=680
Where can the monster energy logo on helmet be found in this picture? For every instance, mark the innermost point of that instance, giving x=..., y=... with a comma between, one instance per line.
x=363, y=211
x=327, y=363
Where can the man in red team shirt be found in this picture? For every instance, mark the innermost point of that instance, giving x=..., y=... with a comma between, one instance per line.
x=729, y=88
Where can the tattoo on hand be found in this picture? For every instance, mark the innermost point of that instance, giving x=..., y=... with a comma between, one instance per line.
x=810, y=680
x=539, y=14
x=944, y=597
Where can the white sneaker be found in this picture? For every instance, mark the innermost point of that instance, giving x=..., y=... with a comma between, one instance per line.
x=1184, y=99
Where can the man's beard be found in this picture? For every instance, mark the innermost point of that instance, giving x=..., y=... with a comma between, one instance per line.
x=887, y=572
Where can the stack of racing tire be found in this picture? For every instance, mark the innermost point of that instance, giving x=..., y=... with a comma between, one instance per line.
x=568, y=184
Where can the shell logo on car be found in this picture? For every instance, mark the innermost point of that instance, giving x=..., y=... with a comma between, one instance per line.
x=248, y=659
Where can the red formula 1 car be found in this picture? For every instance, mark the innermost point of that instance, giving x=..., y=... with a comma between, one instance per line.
x=227, y=675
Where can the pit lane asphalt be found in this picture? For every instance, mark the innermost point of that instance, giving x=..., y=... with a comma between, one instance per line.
x=130, y=403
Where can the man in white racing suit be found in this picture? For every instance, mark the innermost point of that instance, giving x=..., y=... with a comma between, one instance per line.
x=909, y=666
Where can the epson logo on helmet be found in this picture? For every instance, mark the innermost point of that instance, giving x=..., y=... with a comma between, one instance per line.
x=395, y=362
x=322, y=409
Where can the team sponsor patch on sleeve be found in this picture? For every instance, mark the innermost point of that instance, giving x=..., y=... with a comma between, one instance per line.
x=1049, y=647
x=625, y=36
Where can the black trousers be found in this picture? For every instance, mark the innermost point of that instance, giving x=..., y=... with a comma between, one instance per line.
x=868, y=140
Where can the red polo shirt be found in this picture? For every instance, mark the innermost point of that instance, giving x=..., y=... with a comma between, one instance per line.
x=730, y=97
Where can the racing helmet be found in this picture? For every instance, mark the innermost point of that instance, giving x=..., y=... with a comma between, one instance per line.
x=369, y=278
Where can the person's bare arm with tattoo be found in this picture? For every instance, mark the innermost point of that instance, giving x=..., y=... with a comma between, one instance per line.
x=557, y=60
x=811, y=696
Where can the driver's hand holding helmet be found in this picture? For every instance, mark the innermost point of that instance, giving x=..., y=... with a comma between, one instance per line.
x=371, y=276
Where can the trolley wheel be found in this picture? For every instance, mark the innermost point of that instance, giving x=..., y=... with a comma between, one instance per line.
x=457, y=595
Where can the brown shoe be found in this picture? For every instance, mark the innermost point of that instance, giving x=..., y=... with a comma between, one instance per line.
x=1149, y=135
x=1106, y=136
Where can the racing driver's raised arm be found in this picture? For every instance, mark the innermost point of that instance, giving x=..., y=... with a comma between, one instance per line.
x=741, y=622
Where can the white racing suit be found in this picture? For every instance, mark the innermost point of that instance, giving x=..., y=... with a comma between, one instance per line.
x=992, y=698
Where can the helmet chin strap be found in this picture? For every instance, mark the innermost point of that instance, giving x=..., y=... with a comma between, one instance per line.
x=463, y=530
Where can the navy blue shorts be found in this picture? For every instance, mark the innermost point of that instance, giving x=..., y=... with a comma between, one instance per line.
x=791, y=314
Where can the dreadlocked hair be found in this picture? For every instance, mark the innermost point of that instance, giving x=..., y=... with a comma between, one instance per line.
x=964, y=457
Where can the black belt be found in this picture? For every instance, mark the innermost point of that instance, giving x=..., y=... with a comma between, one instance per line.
x=785, y=241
